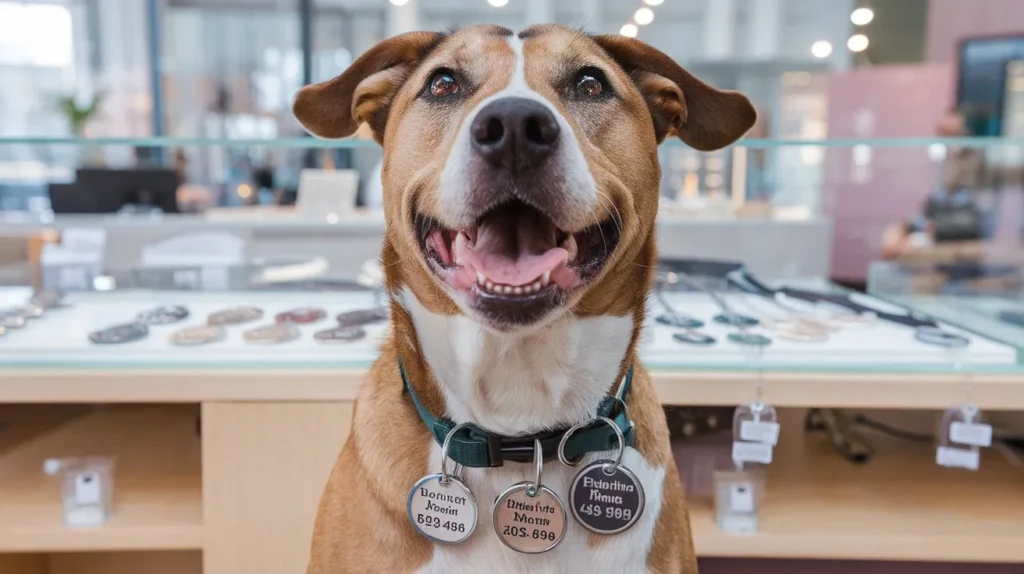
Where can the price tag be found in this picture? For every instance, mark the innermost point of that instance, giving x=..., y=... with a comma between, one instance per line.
x=215, y=278
x=973, y=434
x=760, y=431
x=957, y=457
x=73, y=278
x=758, y=452
x=87, y=488
x=186, y=279
x=741, y=498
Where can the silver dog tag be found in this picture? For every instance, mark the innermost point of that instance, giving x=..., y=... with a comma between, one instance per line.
x=442, y=508
x=606, y=498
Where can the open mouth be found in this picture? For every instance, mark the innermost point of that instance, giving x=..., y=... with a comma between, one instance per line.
x=515, y=262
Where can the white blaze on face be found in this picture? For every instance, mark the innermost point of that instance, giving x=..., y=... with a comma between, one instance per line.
x=455, y=185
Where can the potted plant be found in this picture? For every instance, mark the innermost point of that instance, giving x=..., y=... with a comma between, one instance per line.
x=78, y=112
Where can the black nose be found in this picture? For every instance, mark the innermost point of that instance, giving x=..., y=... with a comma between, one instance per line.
x=510, y=131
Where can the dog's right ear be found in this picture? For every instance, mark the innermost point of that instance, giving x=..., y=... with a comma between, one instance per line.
x=363, y=92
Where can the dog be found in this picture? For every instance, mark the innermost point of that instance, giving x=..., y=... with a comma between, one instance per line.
x=521, y=183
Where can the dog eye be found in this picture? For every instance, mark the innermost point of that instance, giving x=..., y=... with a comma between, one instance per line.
x=591, y=83
x=442, y=84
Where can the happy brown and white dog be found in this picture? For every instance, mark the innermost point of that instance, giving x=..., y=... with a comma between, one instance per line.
x=521, y=187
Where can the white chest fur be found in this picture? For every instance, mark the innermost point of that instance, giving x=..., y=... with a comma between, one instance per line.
x=551, y=378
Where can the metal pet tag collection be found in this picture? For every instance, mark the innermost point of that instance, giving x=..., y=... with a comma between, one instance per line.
x=605, y=497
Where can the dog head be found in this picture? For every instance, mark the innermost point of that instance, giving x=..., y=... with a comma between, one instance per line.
x=520, y=171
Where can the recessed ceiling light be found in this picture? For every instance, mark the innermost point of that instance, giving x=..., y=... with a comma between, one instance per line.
x=399, y=2
x=498, y=3
x=653, y=2
x=862, y=16
x=644, y=16
x=858, y=43
x=629, y=30
x=821, y=49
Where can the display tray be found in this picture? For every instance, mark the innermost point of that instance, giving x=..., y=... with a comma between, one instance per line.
x=979, y=311
x=60, y=339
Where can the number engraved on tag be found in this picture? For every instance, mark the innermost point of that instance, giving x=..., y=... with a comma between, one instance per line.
x=444, y=513
x=974, y=434
x=760, y=431
x=752, y=452
x=957, y=457
x=529, y=524
x=606, y=499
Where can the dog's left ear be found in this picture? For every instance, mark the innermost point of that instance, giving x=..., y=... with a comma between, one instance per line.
x=363, y=92
x=704, y=117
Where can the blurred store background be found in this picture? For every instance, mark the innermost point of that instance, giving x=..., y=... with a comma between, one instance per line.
x=851, y=95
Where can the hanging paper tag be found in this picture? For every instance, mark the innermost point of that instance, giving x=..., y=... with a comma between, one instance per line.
x=973, y=434
x=957, y=457
x=87, y=488
x=760, y=431
x=741, y=498
x=752, y=452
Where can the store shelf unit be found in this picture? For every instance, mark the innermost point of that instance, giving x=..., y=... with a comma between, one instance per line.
x=900, y=506
x=158, y=490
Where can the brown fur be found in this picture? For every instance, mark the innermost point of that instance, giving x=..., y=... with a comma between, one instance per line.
x=362, y=525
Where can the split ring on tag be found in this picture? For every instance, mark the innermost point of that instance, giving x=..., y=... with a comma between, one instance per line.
x=529, y=517
x=606, y=497
x=441, y=507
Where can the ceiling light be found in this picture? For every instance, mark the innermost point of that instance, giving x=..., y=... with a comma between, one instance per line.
x=498, y=3
x=862, y=16
x=821, y=49
x=644, y=16
x=653, y=2
x=629, y=30
x=399, y=2
x=857, y=43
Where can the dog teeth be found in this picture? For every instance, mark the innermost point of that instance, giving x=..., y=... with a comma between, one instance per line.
x=489, y=286
x=570, y=245
x=545, y=278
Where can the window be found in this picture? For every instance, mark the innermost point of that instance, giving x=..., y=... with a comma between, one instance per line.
x=36, y=35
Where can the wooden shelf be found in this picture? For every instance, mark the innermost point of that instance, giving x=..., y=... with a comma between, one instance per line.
x=899, y=506
x=157, y=485
x=841, y=390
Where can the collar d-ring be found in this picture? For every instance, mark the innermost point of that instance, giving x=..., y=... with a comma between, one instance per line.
x=618, y=435
x=444, y=452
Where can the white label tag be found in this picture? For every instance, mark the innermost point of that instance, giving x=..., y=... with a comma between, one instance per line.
x=957, y=457
x=974, y=434
x=741, y=498
x=215, y=278
x=73, y=278
x=87, y=488
x=84, y=239
x=752, y=452
x=760, y=431
x=186, y=279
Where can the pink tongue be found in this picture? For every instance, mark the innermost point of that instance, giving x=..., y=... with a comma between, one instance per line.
x=512, y=250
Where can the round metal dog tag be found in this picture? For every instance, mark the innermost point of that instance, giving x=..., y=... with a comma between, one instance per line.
x=606, y=499
x=444, y=512
x=529, y=523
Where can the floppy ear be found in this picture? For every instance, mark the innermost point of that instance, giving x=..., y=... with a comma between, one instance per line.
x=363, y=92
x=704, y=117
